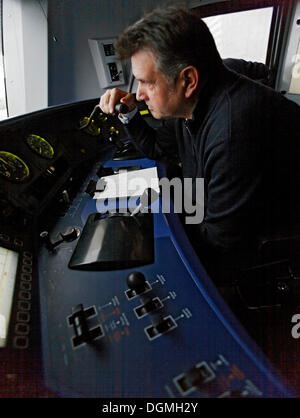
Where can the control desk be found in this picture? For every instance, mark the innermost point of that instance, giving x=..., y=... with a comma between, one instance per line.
x=106, y=305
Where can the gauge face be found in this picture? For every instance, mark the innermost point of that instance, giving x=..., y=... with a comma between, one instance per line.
x=40, y=146
x=12, y=167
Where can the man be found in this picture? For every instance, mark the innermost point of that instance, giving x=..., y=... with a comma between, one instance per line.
x=238, y=135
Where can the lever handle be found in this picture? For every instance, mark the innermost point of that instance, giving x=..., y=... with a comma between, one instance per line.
x=121, y=108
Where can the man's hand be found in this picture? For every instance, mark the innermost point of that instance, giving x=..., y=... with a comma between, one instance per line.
x=114, y=96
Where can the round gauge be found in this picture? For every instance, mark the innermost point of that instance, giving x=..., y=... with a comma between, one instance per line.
x=12, y=167
x=40, y=146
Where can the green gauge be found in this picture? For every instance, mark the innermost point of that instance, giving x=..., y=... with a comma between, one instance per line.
x=12, y=167
x=40, y=146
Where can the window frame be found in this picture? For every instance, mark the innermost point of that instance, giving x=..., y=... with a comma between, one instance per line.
x=278, y=29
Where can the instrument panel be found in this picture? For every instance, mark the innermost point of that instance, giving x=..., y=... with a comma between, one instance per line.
x=39, y=152
x=14, y=168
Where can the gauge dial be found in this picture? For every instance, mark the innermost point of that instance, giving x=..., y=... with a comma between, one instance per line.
x=12, y=167
x=40, y=146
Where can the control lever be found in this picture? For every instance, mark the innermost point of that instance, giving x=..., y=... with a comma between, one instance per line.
x=119, y=108
x=79, y=321
x=95, y=186
x=68, y=234
x=147, y=198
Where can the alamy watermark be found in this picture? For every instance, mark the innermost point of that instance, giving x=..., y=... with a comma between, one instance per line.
x=295, y=331
x=175, y=193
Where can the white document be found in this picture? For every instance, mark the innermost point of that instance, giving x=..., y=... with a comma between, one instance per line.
x=129, y=184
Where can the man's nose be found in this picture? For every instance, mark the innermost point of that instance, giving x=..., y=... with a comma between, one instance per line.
x=140, y=93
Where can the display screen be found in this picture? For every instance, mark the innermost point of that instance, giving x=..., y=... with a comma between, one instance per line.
x=8, y=271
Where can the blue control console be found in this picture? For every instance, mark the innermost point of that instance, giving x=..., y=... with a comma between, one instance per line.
x=160, y=329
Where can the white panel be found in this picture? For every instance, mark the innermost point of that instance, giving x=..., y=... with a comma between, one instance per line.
x=295, y=80
x=290, y=57
x=109, y=69
x=25, y=43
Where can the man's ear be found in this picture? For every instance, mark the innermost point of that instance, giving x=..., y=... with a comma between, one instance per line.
x=190, y=78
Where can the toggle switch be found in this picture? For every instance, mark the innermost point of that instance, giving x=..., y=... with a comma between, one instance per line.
x=95, y=186
x=160, y=325
x=148, y=306
x=79, y=321
x=194, y=378
x=104, y=171
x=68, y=234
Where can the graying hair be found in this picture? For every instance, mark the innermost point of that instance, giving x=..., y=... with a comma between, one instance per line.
x=177, y=37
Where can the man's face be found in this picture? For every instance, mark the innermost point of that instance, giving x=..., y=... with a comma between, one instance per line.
x=163, y=100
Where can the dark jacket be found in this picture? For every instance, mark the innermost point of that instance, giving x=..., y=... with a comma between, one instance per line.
x=244, y=141
x=252, y=69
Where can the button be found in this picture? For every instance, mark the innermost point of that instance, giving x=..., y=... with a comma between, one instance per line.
x=24, y=295
x=26, y=277
x=23, y=316
x=18, y=242
x=4, y=237
x=25, y=286
x=26, y=269
x=21, y=342
x=22, y=329
x=27, y=254
x=23, y=305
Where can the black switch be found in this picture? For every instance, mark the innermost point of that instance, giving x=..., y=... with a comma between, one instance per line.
x=95, y=186
x=195, y=378
x=79, y=321
x=160, y=324
x=137, y=284
x=69, y=233
x=50, y=242
x=104, y=171
x=149, y=305
x=91, y=187
x=136, y=281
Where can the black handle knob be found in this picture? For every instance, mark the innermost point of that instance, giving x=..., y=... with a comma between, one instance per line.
x=121, y=108
x=69, y=233
x=136, y=281
x=50, y=242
